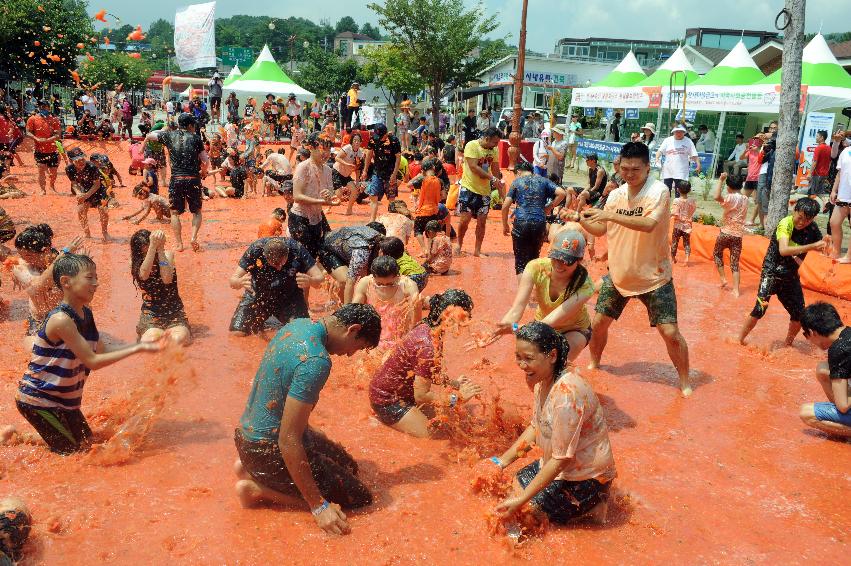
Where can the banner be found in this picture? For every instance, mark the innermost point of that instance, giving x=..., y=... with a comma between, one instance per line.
x=816, y=121
x=195, y=36
x=607, y=151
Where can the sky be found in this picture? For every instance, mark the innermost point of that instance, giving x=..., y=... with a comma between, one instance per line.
x=547, y=20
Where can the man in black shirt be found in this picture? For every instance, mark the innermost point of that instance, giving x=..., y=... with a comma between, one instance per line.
x=470, y=131
x=384, y=152
x=796, y=235
x=87, y=184
x=186, y=152
x=825, y=329
x=274, y=273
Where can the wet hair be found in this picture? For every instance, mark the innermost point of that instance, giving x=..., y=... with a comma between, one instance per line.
x=70, y=265
x=734, y=182
x=418, y=156
x=821, y=318
x=524, y=166
x=546, y=339
x=591, y=157
x=822, y=133
x=282, y=151
x=434, y=226
x=808, y=206
x=268, y=152
x=35, y=238
x=275, y=249
x=355, y=135
x=378, y=227
x=394, y=206
x=366, y=316
x=450, y=139
x=279, y=213
x=303, y=153
x=635, y=150
x=491, y=133
x=384, y=266
x=139, y=243
x=139, y=188
x=439, y=302
x=430, y=164
x=391, y=246
x=684, y=187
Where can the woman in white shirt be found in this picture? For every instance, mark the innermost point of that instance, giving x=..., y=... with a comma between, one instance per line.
x=540, y=154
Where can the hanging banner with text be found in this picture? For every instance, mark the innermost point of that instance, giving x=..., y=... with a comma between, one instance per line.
x=607, y=151
x=816, y=122
x=195, y=36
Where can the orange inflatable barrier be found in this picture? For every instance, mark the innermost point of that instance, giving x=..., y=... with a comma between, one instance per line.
x=818, y=272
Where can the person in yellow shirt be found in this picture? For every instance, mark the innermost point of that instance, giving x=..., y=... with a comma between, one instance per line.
x=481, y=169
x=352, y=106
x=636, y=218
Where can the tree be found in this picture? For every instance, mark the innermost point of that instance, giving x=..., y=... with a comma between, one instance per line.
x=58, y=26
x=118, y=36
x=325, y=72
x=370, y=30
x=387, y=68
x=346, y=23
x=440, y=38
x=110, y=68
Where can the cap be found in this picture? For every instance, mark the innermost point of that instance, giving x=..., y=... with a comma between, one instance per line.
x=149, y=161
x=568, y=246
x=76, y=153
x=678, y=128
x=545, y=134
x=559, y=130
x=649, y=126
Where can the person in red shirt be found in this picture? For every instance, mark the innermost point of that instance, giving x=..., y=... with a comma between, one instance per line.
x=821, y=165
x=45, y=129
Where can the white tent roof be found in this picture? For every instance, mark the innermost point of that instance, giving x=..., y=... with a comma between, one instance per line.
x=677, y=62
x=629, y=65
x=738, y=58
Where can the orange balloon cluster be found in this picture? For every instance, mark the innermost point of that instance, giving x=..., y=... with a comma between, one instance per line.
x=136, y=35
x=101, y=16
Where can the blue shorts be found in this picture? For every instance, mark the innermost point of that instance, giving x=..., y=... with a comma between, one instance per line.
x=828, y=412
x=378, y=187
x=473, y=203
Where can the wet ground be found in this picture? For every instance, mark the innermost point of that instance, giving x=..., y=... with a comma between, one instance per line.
x=728, y=476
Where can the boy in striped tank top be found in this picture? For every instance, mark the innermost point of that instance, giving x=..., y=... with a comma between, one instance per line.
x=66, y=348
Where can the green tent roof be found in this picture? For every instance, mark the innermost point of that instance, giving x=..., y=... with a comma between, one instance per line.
x=736, y=69
x=819, y=67
x=627, y=73
x=676, y=62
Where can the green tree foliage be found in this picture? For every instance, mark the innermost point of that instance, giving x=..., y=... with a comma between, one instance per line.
x=109, y=68
x=386, y=67
x=439, y=39
x=58, y=27
x=370, y=30
x=118, y=36
x=160, y=36
x=326, y=73
x=346, y=23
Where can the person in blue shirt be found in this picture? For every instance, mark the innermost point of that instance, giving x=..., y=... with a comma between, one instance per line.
x=281, y=458
x=535, y=197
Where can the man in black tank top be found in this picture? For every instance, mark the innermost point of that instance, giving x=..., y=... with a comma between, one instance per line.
x=186, y=152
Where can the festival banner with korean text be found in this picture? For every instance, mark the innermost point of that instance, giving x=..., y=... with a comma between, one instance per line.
x=816, y=121
x=195, y=36
x=607, y=151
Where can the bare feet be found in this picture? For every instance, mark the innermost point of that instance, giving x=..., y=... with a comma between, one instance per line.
x=456, y=250
x=685, y=389
x=674, y=259
x=107, y=237
x=478, y=253
x=593, y=364
x=736, y=292
x=723, y=284
x=599, y=513
x=178, y=247
x=248, y=492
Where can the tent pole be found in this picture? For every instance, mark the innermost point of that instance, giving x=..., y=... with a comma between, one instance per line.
x=717, y=147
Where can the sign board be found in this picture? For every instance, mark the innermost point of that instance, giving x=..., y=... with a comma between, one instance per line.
x=816, y=121
x=610, y=113
x=632, y=113
x=233, y=56
x=590, y=111
x=607, y=151
x=691, y=116
x=534, y=78
x=195, y=36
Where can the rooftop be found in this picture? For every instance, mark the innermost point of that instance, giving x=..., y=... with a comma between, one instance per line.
x=613, y=40
x=355, y=36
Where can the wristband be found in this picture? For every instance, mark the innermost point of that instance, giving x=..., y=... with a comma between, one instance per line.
x=316, y=511
x=453, y=400
x=66, y=250
x=164, y=264
x=514, y=327
x=496, y=460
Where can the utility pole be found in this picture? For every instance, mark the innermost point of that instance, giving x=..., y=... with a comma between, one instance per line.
x=519, y=74
x=792, y=17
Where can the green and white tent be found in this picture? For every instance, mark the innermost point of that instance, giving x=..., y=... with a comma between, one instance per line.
x=234, y=74
x=819, y=67
x=676, y=62
x=264, y=77
x=736, y=69
x=627, y=73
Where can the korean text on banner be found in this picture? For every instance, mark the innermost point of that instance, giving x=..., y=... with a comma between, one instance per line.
x=195, y=36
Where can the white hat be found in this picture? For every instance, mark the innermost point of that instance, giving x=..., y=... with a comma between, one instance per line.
x=545, y=134
x=649, y=126
x=679, y=128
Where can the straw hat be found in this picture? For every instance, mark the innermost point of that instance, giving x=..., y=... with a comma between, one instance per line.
x=649, y=126
x=559, y=129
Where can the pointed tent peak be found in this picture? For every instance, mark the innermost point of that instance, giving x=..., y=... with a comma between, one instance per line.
x=629, y=65
x=677, y=62
x=738, y=58
x=265, y=55
x=234, y=74
x=817, y=51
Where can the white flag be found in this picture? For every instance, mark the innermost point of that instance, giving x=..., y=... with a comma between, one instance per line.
x=195, y=36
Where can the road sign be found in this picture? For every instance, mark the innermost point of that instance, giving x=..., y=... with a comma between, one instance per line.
x=242, y=56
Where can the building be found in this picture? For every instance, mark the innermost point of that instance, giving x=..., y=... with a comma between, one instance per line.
x=727, y=39
x=650, y=54
x=350, y=45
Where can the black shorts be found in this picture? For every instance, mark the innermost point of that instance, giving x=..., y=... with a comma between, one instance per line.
x=661, y=303
x=339, y=180
x=216, y=101
x=183, y=190
x=98, y=200
x=333, y=469
x=64, y=431
x=308, y=235
x=252, y=313
x=329, y=258
x=392, y=413
x=564, y=500
x=788, y=291
x=420, y=223
x=148, y=320
x=751, y=185
x=49, y=159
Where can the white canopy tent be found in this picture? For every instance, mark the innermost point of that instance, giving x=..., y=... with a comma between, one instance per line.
x=266, y=77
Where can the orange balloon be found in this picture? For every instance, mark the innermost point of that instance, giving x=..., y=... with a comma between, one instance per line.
x=80, y=46
x=76, y=76
x=89, y=57
x=135, y=55
x=43, y=62
x=106, y=40
x=93, y=39
x=37, y=43
x=40, y=9
x=56, y=58
x=101, y=16
x=136, y=35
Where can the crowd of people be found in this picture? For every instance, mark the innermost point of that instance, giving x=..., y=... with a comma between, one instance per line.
x=379, y=276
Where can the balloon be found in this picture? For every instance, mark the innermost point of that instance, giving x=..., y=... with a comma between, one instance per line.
x=76, y=76
x=40, y=9
x=135, y=55
x=46, y=28
x=43, y=62
x=37, y=43
x=101, y=16
x=106, y=40
x=136, y=35
x=59, y=35
x=80, y=46
x=89, y=57
x=93, y=39
x=55, y=58
x=31, y=54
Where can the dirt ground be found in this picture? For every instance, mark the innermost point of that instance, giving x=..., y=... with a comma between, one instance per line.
x=728, y=476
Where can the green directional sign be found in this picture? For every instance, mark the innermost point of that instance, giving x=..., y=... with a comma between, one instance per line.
x=243, y=56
